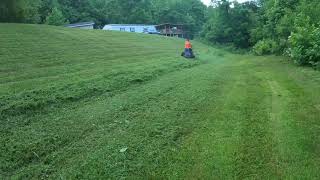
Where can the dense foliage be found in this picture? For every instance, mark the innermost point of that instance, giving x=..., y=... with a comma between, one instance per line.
x=57, y=12
x=230, y=25
x=289, y=27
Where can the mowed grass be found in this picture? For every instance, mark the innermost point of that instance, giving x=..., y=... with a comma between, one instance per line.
x=96, y=104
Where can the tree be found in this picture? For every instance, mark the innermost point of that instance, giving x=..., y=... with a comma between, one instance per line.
x=21, y=11
x=56, y=12
x=56, y=18
x=9, y=11
x=231, y=25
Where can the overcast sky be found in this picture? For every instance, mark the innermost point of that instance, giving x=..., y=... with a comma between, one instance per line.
x=207, y=2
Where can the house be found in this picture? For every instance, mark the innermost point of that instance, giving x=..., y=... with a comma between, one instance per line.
x=172, y=30
x=137, y=28
x=82, y=25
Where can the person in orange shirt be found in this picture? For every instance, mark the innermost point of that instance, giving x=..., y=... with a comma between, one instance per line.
x=187, y=44
x=188, y=49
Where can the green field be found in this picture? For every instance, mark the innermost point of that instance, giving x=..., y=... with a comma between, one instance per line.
x=88, y=104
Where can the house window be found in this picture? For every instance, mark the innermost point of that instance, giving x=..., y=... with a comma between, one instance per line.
x=132, y=29
x=145, y=30
x=122, y=29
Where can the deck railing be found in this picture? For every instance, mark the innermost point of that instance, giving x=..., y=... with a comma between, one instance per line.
x=171, y=31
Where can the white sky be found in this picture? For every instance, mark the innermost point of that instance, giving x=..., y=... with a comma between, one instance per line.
x=207, y=2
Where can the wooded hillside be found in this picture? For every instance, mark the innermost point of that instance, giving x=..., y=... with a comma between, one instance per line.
x=58, y=12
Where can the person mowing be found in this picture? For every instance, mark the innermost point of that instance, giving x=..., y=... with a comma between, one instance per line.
x=188, y=49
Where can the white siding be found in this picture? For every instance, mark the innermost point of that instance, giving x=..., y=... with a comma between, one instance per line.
x=128, y=28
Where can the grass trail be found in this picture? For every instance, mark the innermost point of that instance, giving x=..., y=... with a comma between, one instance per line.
x=71, y=100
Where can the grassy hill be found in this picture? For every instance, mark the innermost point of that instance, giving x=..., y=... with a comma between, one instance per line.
x=89, y=104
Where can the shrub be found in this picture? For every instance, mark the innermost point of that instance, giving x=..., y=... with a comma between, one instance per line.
x=56, y=18
x=264, y=47
x=305, y=43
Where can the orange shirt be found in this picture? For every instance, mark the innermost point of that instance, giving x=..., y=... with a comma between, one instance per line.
x=187, y=45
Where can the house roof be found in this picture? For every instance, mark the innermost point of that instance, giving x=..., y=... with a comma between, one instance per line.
x=130, y=25
x=169, y=24
x=80, y=24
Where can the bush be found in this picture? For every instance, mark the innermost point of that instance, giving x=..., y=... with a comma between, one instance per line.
x=56, y=18
x=305, y=44
x=264, y=47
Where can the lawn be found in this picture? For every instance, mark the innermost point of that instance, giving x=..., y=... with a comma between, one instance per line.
x=89, y=104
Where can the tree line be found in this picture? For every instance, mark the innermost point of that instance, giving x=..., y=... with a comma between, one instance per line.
x=59, y=12
x=283, y=27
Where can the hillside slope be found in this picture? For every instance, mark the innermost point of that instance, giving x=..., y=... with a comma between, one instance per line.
x=55, y=60
x=93, y=104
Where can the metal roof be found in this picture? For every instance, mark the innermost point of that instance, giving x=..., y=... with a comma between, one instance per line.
x=129, y=25
x=170, y=24
x=80, y=24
